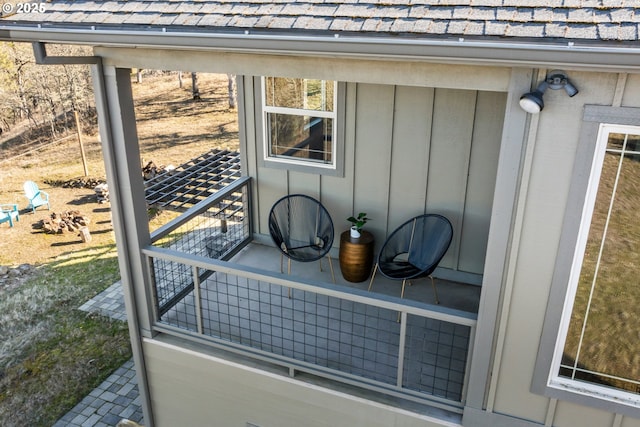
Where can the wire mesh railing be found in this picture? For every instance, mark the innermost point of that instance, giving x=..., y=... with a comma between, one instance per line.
x=337, y=332
x=216, y=227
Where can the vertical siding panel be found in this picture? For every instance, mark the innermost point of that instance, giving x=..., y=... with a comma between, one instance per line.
x=194, y=389
x=452, y=131
x=304, y=183
x=248, y=127
x=572, y=415
x=487, y=134
x=629, y=422
x=270, y=184
x=374, y=130
x=247, y=124
x=337, y=192
x=410, y=154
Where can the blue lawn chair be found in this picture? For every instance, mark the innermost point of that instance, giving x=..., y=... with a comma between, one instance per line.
x=36, y=196
x=9, y=212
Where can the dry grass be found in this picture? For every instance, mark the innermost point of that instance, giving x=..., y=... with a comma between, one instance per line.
x=172, y=129
x=52, y=354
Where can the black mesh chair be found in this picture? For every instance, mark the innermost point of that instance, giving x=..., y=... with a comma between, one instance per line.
x=302, y=229
x=414, y=250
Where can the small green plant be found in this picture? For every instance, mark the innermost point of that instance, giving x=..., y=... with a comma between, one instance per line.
x=359, y=221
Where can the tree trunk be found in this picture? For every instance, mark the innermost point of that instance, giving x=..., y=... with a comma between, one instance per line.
x=194, y=86
x=231, y=85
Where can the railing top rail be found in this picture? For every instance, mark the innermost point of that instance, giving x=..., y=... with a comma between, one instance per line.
x=356, y=295
x=198, y=208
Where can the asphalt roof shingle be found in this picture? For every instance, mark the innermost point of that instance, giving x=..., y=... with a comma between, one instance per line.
x=591, y=20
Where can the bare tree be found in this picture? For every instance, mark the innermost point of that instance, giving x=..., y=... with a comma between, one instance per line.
x=43, y=95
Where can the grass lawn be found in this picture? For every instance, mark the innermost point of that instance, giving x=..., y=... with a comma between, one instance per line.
x=51, y=353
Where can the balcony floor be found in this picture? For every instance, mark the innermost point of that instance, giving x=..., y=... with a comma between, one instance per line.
x=451, y=294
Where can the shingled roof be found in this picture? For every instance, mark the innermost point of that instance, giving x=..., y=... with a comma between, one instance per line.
x=610, y=21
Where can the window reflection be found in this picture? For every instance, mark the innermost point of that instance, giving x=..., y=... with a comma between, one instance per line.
x=300, y=136
x=603, y=341
x=304, y=94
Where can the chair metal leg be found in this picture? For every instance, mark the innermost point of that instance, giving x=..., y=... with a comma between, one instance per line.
x=402, y=296
x=289, y=272
x=372, y=277
x=281, y=257
x=402, y=293
x=333, y=277
x=435, y=291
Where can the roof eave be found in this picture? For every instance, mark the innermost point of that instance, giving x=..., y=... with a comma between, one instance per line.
x=502, y=52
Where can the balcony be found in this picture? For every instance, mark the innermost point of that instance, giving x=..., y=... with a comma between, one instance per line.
x=212, y=283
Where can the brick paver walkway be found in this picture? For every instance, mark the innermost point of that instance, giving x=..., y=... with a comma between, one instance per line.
x=117, y=397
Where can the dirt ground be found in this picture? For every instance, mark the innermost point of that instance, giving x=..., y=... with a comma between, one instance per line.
x=172, y=128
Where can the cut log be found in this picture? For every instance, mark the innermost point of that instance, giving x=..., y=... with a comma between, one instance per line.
x=84, y=234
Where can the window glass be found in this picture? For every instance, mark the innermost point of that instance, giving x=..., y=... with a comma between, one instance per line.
x=299, y=123
x=603, y=343
x=304, y=94
x=303, y=137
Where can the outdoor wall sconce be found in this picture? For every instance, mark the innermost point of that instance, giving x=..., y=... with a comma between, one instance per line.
x=532, y=102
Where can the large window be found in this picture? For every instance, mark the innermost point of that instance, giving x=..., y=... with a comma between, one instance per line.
x=596, y=351
x=602, y=344
x=299, y=117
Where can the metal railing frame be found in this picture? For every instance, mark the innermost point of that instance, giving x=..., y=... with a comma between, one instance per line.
x=404, y=307
x=202, y=206
x=241, y=185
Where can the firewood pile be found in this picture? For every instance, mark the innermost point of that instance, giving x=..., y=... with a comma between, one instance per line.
x=150, y=170
x=67, y=221
x=102, y=193
x=82, y=182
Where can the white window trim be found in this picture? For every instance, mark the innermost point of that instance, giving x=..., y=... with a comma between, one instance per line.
x=337, y=115
x=598, y=122
x=556, y=380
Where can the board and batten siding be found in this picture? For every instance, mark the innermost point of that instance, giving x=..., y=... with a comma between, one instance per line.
x=191, y=388
x=408, y=151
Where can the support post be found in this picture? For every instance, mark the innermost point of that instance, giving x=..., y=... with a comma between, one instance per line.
x=116, y=121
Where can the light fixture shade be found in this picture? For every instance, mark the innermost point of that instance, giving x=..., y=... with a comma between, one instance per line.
x=570, y=89
x=532, y=102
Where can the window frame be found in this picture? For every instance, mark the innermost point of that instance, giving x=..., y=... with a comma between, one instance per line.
x=581, y=201
x=336, y=167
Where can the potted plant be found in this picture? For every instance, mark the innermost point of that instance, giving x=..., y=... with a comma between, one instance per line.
x=358, y=222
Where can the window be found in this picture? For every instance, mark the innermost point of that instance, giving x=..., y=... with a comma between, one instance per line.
x=299, y=120
x=596, y=353
x=602, y=344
